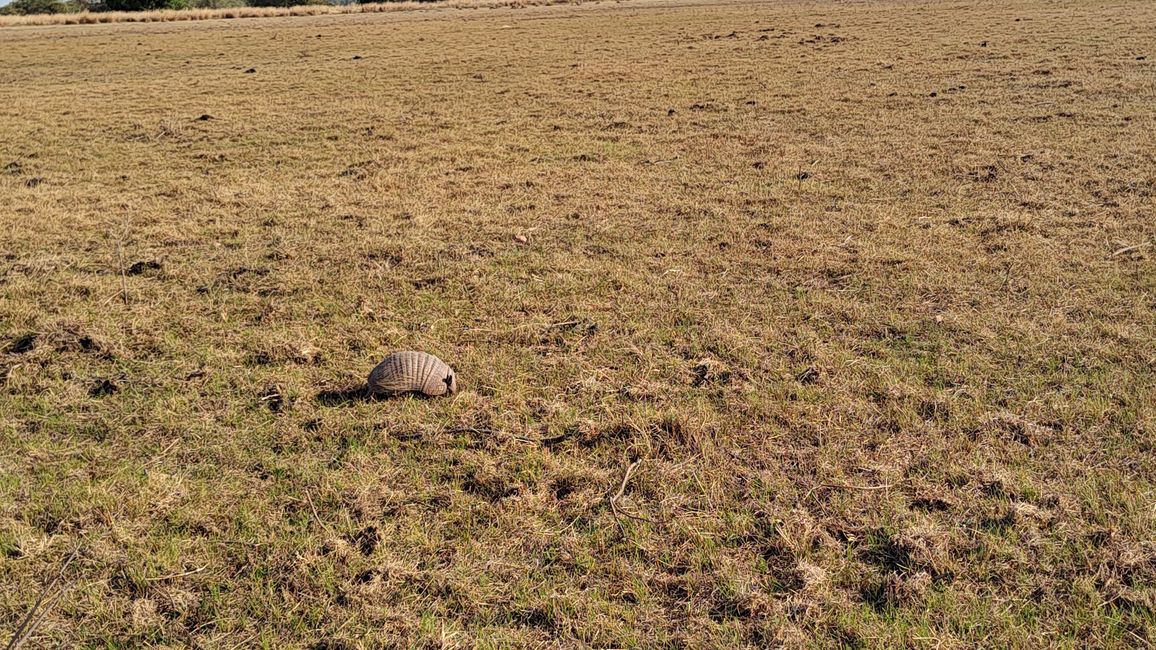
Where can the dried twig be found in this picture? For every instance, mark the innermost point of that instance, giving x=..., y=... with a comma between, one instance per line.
x=177, y=575
x=527, y=326
x=120, y=265
x=159, y=457
x=243, y=641
x=849, y=486
x=1143, y=642
x=309, y=497
x=846, y=486
x=625, y=480
x=1128, y=249
x=562, y=437
x=469, y=430
x=548, y=441
x=29, y=624
x=640, y=518
x=618, y=495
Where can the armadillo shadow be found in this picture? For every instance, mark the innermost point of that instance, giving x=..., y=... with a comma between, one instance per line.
x=359, y=393
x=345, y=396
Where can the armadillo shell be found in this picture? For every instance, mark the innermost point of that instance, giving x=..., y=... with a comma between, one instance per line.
x=417, y=372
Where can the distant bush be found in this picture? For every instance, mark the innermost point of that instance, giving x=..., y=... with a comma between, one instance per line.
x=142, y=5
x=26, y=7
x=100, y=11
x=217, y=4
x=285, y=3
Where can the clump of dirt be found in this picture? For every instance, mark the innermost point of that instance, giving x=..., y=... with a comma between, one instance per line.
x=273, y=397
x=20, y=344
x=710, y=371
x=144, y=267
x=103, y=387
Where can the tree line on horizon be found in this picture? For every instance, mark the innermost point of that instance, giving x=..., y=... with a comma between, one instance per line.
x=29, y=7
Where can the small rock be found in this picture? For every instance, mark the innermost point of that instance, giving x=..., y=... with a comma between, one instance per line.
x=250, y=70
x=521, y=239
x=205, y=117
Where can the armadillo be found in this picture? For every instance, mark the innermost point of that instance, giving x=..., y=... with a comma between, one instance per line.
x=412, y=372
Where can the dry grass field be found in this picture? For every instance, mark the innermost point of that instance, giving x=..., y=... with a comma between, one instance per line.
x=175, y=15
x=793, y=323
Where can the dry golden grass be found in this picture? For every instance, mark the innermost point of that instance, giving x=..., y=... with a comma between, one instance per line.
x=775, y=323
x=174, y=15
